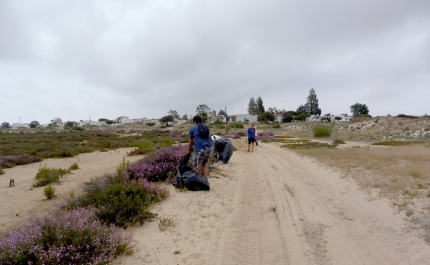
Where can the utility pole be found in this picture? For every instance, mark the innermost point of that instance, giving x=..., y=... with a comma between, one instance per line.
x=226, y=119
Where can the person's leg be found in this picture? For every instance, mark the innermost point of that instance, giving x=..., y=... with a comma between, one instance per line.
x=252, y=147
x=195, y=162
x=203, y=161
x=205, y=171
x=249, y=143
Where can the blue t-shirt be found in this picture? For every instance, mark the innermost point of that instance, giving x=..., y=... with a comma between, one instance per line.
x=199, y=143
x=251, y=132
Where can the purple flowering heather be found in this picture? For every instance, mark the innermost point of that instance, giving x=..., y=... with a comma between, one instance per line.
x=234, y=135
x=9, y=161
x=71, y=237
x=158, y=165
x=265, y=136
x=177, y=136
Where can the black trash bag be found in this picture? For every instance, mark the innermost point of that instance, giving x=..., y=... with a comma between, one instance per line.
x=186, y=177
x=227, y=152
x=219, y=148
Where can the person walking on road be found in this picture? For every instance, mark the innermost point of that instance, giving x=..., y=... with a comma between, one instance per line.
x=251, y=137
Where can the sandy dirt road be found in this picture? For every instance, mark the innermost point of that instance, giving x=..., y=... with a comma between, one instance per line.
x=272, y=206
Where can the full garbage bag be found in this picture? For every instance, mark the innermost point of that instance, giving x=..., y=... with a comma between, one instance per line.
x=186, y=177
x=223, y=150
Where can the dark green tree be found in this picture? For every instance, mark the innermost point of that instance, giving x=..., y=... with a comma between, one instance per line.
x=312, y=103
x=252, y=107
x=5, y=125
x=70, y=123
x=301, y=110
x=266, y=117
x=174, y=114
x=221, y=112
x=106, y=120
x=260, y=107
x=287, y=117
x=202, y=109
x=359, y=109
x=301, y=116
x=166, y=119
x=34, y=124
x=185, y=117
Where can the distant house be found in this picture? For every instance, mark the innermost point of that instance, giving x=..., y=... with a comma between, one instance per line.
x=243, y=118
x=278, y=117
x=91, y=123
x=314, y=118
x=177, y=122
x=19, y=125
x=331, y=118
x=213, y=118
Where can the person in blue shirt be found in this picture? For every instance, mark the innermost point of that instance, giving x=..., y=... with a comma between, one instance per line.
x=202, y=148
x=251, y=137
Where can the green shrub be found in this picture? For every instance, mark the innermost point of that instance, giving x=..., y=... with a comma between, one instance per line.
x=48, y=175
x=236, y=125
x=122, y=204
x=276, y=125
x=397, y=143
x=141, y=151
x=49, y=192
x=74, y=166
x=322, y=131
x=165, y=142
x=338, y=141
x=150, y=124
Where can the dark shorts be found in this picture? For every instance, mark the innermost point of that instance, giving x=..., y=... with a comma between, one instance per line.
x=251, y=140
x=201, y=157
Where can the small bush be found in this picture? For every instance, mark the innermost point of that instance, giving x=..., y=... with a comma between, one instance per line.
x=72, y=237
x=48, y=175
x=49, y=192
x=164, y=223
x=338, y=141
x=119, y=201
x=276, y=125
x=322, y=131
x=157, y=165
x=236, y=125
x=74, y=166
x=150, y=124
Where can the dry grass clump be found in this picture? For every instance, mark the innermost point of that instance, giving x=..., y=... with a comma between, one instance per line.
x=400, y=173
x=397, y=170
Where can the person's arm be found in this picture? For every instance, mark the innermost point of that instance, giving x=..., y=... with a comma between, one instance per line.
x=190, y=145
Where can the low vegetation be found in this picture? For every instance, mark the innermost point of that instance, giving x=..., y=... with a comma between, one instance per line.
x=16, y=147
x=83, y=230
x=46, y=175
x=49, y=192
x=322, y=131
x=63, y=237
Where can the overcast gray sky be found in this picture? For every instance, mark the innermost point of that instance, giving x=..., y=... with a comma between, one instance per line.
x=72, y=59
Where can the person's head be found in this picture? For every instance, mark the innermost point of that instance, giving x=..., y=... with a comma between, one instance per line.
x=252, y=125
x=197, y=119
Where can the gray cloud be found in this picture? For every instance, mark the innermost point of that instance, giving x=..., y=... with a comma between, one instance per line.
x=109, y=58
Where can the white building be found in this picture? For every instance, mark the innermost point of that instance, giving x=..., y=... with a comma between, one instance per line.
x=243, y=118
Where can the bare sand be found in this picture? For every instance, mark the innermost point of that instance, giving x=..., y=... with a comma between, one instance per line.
x=270, y=206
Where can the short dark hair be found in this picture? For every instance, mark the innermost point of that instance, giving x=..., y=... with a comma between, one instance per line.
x=197, y=119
